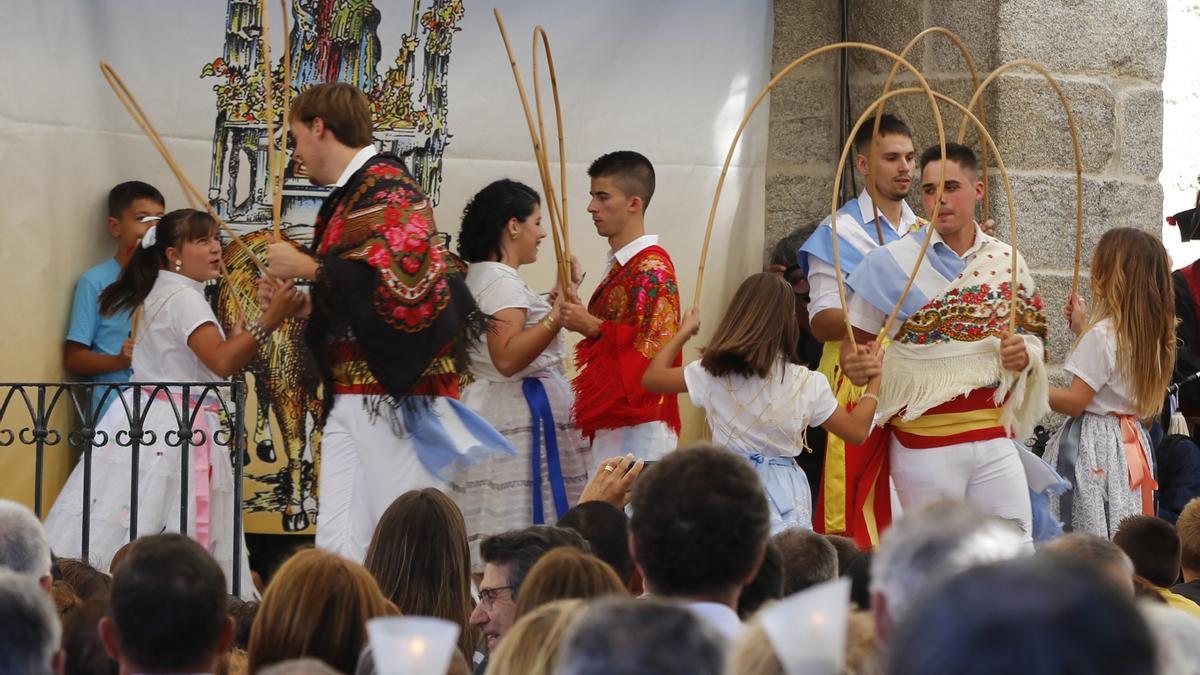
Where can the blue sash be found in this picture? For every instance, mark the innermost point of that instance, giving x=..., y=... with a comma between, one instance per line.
x=543, y=420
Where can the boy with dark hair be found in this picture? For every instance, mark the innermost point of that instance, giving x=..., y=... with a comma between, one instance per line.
x=953, y=356
x=1155, y=549
x=631, y=315
x=699, y=531
x=886, y=184
x=168, y=610
x=100, y=347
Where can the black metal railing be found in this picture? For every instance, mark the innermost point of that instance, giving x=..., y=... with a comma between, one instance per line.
x=26, y=411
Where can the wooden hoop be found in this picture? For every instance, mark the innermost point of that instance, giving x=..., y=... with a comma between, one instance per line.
x=1062, y=99
x=1012, y=211
x=712, y=214
x=887, y=86
x=538, y=153
x=268, y=105
x=562, y=155
x=189, y=190
x=279, y=173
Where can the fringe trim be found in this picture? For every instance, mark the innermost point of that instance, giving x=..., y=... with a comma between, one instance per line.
x=912, y=385
x=596, y=386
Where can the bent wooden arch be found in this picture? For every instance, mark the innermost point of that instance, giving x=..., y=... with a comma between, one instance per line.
x=189, y=190
x=887, y=86
x=1041, y=70
x=712, y=213
x=539, y=154
x=558, y=118
x=1012, y=212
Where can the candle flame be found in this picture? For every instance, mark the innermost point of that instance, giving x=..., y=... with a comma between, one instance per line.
x=417, y=646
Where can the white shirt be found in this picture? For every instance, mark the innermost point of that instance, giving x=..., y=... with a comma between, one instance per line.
x=626, y=253
x=868, y=317
x=495, y=287
x=173, y=310
x=765, y=415
x=1094, y=360
x=718, y=617
x=364, y=155
x=822, y=277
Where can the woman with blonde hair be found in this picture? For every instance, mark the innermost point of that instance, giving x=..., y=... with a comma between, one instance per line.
x=420, y=557
x=1120, y=367
x=317, y=605
x=532, y=645
x=567, y=572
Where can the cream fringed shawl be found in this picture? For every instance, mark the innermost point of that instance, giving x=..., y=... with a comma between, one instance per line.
x=950, y=346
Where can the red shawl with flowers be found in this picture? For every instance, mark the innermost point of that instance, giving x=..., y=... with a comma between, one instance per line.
x=639, y=305
x=392, y=315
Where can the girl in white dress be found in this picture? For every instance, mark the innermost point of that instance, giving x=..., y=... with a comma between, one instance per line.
x=757, y=397
x=519, y=385
x=178, y=340
x=1120, y=369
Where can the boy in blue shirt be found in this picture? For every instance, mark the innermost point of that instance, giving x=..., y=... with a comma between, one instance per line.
x=99, y=348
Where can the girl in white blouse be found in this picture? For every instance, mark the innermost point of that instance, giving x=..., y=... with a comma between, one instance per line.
x=178, y=340
x=1120, y=369
x=757, y=397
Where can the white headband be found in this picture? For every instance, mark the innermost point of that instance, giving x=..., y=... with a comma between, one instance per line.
x=150, y=237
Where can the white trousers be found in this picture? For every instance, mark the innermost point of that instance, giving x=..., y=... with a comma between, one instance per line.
x=649, y=440
x=988, y=474
x=365, y=465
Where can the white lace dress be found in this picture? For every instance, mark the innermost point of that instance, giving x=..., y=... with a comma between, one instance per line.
x=174, y=309
x=498, y=493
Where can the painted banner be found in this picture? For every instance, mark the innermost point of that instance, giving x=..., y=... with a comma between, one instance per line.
x=670, y=79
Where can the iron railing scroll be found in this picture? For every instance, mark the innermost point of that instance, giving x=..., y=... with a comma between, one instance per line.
x=28, y=419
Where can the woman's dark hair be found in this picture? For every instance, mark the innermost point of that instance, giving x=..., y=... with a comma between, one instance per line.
x=486, y=214
x=136, y=280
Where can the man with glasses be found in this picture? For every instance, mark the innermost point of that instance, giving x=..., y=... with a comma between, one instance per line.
x=99, y=348
x=507, y=559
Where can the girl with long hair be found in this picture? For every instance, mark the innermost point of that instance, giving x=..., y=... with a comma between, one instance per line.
x=756, y=395
x=419, y=556
x=1120, y=369
x=178, y=340
x=519, y=385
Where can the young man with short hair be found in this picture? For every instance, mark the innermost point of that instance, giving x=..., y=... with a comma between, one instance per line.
x=699, y=531
x=887, y=181
x=391, y=322
x=631, y=315
x=168, y=609
x=100, y=347
x=958, y=384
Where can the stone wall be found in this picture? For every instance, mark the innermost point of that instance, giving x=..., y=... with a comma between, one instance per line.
x=1107, y=55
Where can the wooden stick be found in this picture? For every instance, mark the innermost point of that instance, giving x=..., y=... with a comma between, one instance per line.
x=562, y=153
x=712, y=214
x=887, y=86
x=192, y=194
x=1062, y=99
x=539, y=156
x=552, y=204
x=1012, y=211
x=837, y=183
x=269, y=106
x=281, y=163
